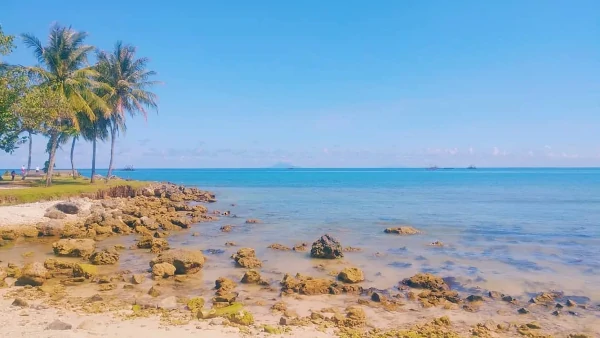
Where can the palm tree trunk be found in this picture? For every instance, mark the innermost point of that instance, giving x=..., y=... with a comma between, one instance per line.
x=29, y=158
x=93, y=179
x=113, y=136
x=72, y=162
x=53, y=146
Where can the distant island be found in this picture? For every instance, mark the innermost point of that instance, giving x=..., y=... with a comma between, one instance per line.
x=283, y=165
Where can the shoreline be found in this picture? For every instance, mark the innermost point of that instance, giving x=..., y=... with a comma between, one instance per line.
x=179, y=212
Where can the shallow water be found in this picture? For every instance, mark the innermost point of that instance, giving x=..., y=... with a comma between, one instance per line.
x=516, y=231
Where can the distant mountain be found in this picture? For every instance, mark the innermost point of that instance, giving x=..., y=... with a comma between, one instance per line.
x=283, y=165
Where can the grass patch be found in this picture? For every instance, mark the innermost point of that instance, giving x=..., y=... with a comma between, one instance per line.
x=35, y=190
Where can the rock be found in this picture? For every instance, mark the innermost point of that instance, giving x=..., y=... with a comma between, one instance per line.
x=377, y=297
x=251, y=277
x=279, y=306
x=556, y=313
x=195, y=234
x=533, y=325
x=302, y=247
x=545, y=297
x=326, y=247
x=155, y=291
x=253, y=221
x=55, y=214
x=246, y=258
x=426, y=281
x=495, y=295
x=156, y=245
x=351, y=275
x=67, y=207
x=58, y=325
x=74, y=247
x=34, y=274
x=280, y=247
x=571, y=303
x=352, y=249
x=475, y=298
x=138, y=278
x=163, y=270
x=226, y=298
x=437, y=244
x=508, y=299
x=195, y=304
x=226, y=228
x=20, y=303
x=185, y=261
x=229, y=243
x=85, y=270
x=523, y=311
x=107, y=256
x=559, y=306
x=224, y=285
x=29, y=231
x=306, y=285
x=402, y=230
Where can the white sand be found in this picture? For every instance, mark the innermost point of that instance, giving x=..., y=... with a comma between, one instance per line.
x=32, y=213
x=33, y=322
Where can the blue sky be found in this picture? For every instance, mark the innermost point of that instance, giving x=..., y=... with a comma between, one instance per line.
x=346, y=84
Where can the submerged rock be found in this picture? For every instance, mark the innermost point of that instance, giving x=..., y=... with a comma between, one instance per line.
x=302, y=247
x=280, y=247
x=306, y=285
x=253, y=221
x=326, y=247
x=402, y=230
x=351, y=275
x=74, y=247
x=58, y=325
x=107, y=256
x=156, y=245
x=226, y=228
x=426, y=281
x=185, y=261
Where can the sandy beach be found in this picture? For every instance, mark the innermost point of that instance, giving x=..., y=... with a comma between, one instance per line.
x=273, y=291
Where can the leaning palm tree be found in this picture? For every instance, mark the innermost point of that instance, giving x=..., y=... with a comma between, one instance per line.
x=129, y=83
x=63, y=66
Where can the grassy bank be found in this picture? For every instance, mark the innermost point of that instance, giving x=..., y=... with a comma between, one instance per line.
x=34, y=189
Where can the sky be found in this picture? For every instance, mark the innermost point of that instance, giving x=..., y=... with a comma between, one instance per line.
x=344, y=83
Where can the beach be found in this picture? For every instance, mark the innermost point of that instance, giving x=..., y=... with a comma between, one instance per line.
x=480, y=294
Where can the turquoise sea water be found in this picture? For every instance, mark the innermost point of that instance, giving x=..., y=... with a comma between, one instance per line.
x=514, y=230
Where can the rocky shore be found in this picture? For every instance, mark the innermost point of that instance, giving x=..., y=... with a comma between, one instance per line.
x=80, y=287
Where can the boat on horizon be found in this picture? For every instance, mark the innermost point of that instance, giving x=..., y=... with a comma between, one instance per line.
x=128, y=168
x=471, y=167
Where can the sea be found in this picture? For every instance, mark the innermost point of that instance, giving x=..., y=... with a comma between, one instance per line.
x=516, y=231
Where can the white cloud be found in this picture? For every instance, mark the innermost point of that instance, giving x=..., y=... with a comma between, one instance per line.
x=496, y=151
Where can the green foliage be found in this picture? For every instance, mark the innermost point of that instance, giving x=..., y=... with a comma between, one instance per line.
x=13, y=83
x=45, y=109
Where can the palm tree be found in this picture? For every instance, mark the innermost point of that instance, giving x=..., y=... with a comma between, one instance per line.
x=129, y=81
x=94, y=130
x=65, y=69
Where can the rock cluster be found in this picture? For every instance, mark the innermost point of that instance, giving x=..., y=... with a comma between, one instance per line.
x=105, y=257
x=307, y=285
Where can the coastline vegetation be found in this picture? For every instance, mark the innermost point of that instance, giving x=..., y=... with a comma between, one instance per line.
x=35, y=190
x=67, y=98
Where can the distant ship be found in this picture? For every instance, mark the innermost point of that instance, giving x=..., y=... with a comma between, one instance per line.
x=435, y=167
x=128, y=168
x=471, y=167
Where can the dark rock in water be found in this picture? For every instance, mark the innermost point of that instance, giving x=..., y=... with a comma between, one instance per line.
x=58, y=325
x=573, y=313
x=377, y=297
x=508, y=298
x=474, y=298
x=571, y=303
x=556, y=313
x=327, y=247
x=523, y=311
x=559, y=306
